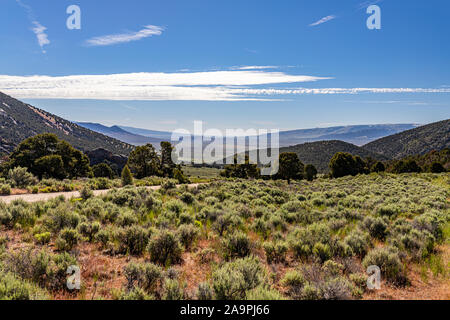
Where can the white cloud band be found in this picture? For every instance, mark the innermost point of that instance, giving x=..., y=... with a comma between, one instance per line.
x=232, y=85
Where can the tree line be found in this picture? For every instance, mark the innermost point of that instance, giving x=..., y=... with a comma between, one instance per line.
x=341, y=164
x=47, y=156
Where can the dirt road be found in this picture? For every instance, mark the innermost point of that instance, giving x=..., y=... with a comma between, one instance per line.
x=68, y=195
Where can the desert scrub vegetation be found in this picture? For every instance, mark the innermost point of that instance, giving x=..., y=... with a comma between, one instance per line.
x=230, y=239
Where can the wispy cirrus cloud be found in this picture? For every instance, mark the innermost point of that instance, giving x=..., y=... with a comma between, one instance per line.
x=113, y=39
x=38, y=29
x=230, y=85
x=302, y=91
x=323, y=20
x=254, y=67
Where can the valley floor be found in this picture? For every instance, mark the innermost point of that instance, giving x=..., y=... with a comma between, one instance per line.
x=235, y=239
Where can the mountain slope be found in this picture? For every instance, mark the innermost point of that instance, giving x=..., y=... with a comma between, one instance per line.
x=118, y=133
x=320, y=153
x=19, y=121
x=358, y=135
x=434, y=136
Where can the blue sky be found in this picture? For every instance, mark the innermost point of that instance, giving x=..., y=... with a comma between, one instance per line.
x=247, y=64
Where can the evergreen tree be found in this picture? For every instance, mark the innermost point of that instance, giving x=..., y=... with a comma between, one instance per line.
x=127, y=178
x=46, y=155
x=378, y=167
x=167, y=165
x=436, y=167
x=310, y=172
x=342, y=164
x=144, y=162
x=290, y=166
x=103, y=170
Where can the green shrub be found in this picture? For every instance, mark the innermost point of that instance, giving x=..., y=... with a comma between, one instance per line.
x=322, y=251
x=237, y=245
x=134, y=240
x=311, y=292
x=126, y=218
x=21, y=178
x=205, y=292
x=223, y=223
x=187, y=198
x=61, y=217
x=431, y=221
x=337, y=288
x=57, y=273
x=377, y=227
x=387, y=259
x=389, y=210
x=234, y=279
x=21, y=213
x=359, y=242
x=303, y=240
x=175, y=206
x=86, y=193
x=67, y=239
x=332, y=268
x=13, y=288
x=89, y=230
x=136, y=294
x=293, y=282
x=5, y=189
x=173, y=290
x=164, y=248
x=186, y=218
x=359, y=279
x=103, y=236
x=264, y=293
x=143, y=275
x=40, y=267
x=168, y=184
x=187, y=234
x=275, y=251
x=43, y=238
x=260, y=227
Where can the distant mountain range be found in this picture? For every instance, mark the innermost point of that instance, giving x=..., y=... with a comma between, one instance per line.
x=358, y=135
x=19, y=121
x=163, y=135
x=119, y=133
